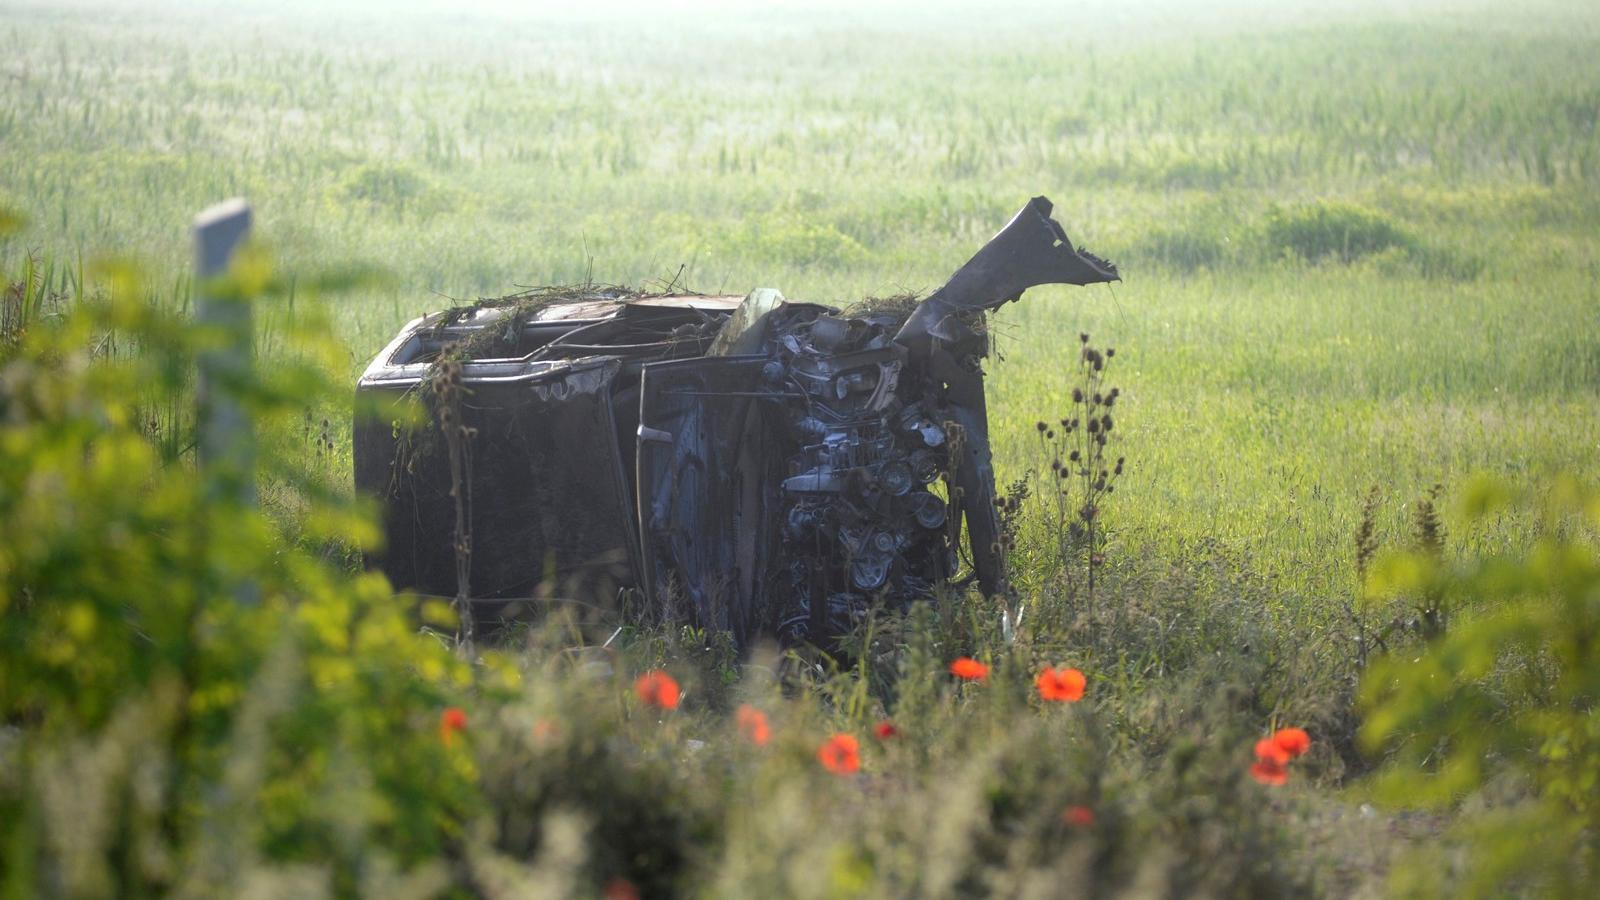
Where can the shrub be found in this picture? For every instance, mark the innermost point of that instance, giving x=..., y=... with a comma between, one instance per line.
x=797, y=242
x=1184, y=248
x=1199, y=236
x=377, y=186
x=1326, y=230
x=193, y=698
x=1503, y=704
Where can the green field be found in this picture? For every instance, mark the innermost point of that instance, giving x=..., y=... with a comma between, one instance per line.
x=1360, y=246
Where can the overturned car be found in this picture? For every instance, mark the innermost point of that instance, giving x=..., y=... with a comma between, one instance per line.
x=747, y=464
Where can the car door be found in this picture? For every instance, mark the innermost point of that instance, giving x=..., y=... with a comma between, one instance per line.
x=710, y=458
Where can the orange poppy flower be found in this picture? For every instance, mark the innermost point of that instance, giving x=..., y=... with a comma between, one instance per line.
x=1269, y=771
x=970, y=669
x=753, y=724
x=885, y=730
x=1292, y=741
x=1268, y=751
x=452, y=720
x=657, y=688
x=1062, y=685
x=1078, y=816
x=840, y=754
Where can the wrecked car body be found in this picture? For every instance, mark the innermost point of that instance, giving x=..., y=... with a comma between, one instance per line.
x=747, y=464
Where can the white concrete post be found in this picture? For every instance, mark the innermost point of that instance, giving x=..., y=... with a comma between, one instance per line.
x=226, y=441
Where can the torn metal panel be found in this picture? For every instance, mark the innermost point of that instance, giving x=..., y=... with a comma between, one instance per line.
x=747, y=329
x=1032, y=249
x=753, y=465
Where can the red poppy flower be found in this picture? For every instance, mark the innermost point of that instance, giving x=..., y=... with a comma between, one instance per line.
x=546, y=732
x=1268, y=771
x=840, y=754
x=753, y=724
x=1063, y=685
x=620, y=889
x=970, y=669
x=1078, y=816
x=1293, y=741
x=1268, y=751
x=885, y=730
x=452, y=720
x=658, y=689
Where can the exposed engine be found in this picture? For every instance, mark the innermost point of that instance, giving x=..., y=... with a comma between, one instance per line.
x=864, y=509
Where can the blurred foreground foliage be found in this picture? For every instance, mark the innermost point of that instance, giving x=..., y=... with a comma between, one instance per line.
x=1499, y=713
x=156, y=734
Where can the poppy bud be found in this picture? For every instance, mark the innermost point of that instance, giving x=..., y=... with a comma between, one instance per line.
x=1077, y=395
x=1041, y=426
x=1083, y=339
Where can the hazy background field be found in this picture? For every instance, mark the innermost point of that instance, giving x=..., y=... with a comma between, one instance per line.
x=854, y=150
x=1360, y=245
